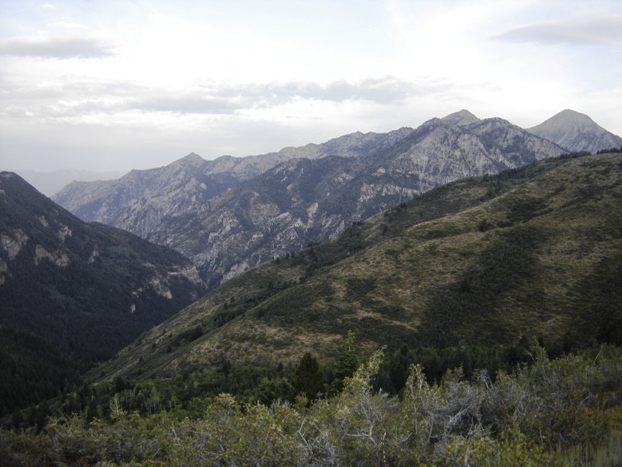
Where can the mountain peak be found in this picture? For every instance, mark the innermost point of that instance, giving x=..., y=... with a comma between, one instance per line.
x=461, y=118
x=192, y=158
x=576, y=131
x=569, y=117
x=7, y=174
x=191, y=161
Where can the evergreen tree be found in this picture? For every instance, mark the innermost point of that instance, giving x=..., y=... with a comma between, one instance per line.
x=309, y=379
x=347, y=362
x=17, y=418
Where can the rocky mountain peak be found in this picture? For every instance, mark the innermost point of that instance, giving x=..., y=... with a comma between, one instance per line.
x=575, y=131
x=461, y=118
x=429, y=124
x=193, y=158
x=567, y=119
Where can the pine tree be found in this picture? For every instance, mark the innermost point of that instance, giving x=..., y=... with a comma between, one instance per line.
x=347, y=362
x=309, y=379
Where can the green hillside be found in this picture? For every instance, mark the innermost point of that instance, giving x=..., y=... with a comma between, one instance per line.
x=488, y=261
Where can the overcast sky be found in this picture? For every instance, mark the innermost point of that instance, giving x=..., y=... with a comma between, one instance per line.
x=116, y=85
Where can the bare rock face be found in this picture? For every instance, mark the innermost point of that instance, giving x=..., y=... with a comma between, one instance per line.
x=461, y=118
x=138, y=201
x=575, y=132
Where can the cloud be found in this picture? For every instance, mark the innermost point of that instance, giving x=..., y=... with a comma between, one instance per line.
x=187, y=104
x=222, y=98
x=385, y=90
x=594, y=31
x=54, y=47
x=66, y=22
x=96, y=100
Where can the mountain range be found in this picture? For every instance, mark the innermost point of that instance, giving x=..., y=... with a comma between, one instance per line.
x=229, y=215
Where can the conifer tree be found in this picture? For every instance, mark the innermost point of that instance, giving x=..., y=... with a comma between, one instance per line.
x=309, y=379
x=347, y=362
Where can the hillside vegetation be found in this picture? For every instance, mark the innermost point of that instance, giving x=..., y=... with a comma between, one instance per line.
x=31, y=371
x=489, y=261
x=564, y=412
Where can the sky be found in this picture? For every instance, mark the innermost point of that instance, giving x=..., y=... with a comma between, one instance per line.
x=107, y=85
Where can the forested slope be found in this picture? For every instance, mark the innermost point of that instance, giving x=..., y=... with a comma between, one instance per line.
x=89, y=289
x=31, y=371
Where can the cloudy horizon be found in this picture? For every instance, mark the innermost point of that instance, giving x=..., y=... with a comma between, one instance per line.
x=110, y=85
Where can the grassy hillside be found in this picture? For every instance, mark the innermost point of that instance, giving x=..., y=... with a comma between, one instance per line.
x=534, y=252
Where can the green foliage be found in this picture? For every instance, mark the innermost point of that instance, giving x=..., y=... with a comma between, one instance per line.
x=308, y=378
x=611, y=150
x=347, y=363
x=31, y=370
x=228, y=435
x=555, y=412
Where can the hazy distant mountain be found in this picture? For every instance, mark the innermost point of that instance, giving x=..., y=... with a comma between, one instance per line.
x=481, y=261
x=89, y=289
x=305, y=199
x=49, y=183
x=141, y=199
x=575, y=131
x=138, y=201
